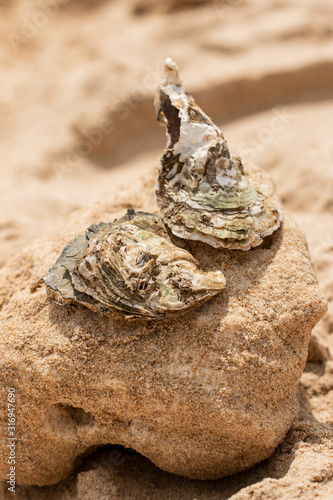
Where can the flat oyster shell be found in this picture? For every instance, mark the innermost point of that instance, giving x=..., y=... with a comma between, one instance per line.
x=130, y=268
x=203, y=191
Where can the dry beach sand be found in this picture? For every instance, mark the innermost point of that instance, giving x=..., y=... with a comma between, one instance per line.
x=77, y=123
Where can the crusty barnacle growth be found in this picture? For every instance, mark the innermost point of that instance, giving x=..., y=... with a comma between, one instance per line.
x=203, y=191
x=130, y=268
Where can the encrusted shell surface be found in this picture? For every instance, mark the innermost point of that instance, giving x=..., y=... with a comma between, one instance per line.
x=130, y=268
x=203, y=191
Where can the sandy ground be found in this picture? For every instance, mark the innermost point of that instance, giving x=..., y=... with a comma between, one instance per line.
x=77, y=121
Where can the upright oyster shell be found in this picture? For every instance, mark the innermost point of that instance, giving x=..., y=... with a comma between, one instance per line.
x=203, y=191
x=130, y=268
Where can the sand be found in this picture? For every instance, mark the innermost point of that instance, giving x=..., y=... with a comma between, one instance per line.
x=262, y=70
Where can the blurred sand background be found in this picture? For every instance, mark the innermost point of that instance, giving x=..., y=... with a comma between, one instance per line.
x=77, y=121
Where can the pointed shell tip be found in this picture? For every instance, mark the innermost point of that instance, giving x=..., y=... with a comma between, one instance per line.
x=171, y=72
x=170, y=64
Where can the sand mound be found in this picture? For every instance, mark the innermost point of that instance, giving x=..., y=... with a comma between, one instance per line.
x=203, y=395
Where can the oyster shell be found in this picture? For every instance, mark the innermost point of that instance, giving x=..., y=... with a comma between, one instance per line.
x=130, y=268
x=203, y=191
